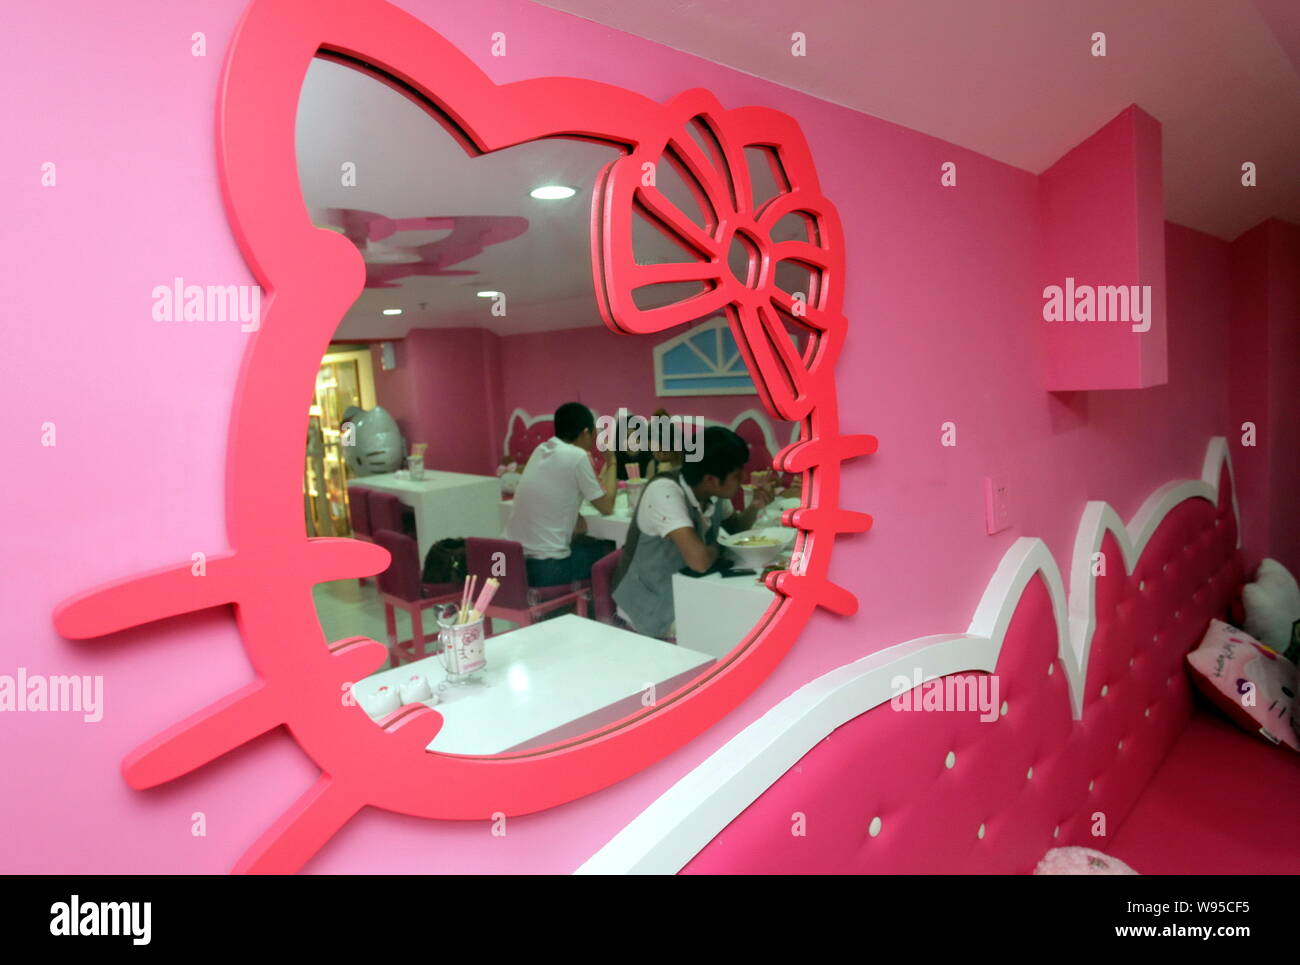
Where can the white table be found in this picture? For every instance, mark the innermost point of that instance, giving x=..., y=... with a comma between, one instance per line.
x=714, y=614
x=446, y=504
x=547, y=682
x=613, y=526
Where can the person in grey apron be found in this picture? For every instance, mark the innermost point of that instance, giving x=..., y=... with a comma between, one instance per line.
x=676, y=525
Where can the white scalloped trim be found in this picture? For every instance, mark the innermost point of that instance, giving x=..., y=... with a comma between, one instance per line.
x=686, y=817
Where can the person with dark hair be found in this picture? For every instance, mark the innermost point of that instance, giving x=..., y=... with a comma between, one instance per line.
x=545, y=518
x=628, y=453
x=676, y=525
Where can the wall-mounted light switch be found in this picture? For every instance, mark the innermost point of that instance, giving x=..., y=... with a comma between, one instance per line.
x=997, y=504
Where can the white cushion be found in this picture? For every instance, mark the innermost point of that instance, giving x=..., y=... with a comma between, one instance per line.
x=1272, y=605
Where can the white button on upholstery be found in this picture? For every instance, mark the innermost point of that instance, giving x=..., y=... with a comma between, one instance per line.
x=980, y=833
x=1051, y=667
x=1090, y=785
x=1004, y=708
x=950, y=760
x=1030, y=775
x=1147, y=712
x=874, y=828
x=1056, y=831
x=1120, y=746
x=1142, y=584
x=1104, y=690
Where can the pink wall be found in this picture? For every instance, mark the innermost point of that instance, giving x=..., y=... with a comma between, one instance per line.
x=1266, y=326
x=604, y=370
x=946, y=318
x=445, y=392
x=438, y=369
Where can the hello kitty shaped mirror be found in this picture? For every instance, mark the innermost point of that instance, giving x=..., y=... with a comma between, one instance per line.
x=310, y=276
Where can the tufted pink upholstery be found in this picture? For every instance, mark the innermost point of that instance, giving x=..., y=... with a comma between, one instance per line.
x=522, y=439
x=893, y=765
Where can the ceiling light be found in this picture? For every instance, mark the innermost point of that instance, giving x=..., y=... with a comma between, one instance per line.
x=552, y=192
x=392, y=311
x=487, y=294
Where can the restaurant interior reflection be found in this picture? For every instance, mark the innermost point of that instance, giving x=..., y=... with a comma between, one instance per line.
x=579, y=520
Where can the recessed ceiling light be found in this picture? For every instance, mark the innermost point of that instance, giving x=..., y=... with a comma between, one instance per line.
x=392, y=311
x=488, y=294
x=552, y=192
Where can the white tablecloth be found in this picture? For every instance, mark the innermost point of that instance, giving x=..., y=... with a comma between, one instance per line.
x=548, y=682
x=446, y=504
x=715, y=613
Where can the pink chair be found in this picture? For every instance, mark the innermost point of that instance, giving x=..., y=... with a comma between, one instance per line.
x=359, y=511
x=602, y=591
x=385, y=512
x=515, y=600
x=400, y=588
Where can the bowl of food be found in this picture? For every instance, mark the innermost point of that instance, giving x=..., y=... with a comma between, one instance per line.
x=756, y=548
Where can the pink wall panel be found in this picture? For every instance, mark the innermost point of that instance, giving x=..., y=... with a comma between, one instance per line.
x=942, y=297
x=1103, y=225
x=453, y=396
x=1283, y=448
x=1264, y=369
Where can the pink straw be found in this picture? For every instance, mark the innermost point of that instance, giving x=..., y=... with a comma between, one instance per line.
x=485, y=596
x=465, y=596
x=473, y=584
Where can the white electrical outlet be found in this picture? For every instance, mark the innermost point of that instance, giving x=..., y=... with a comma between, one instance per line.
x=997, y=504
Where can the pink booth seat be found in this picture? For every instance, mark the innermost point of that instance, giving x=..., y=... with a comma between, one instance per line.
x=400, y=589
x=522, y=438
x=515, y=600
x=1231, y=793
x=1144, y=775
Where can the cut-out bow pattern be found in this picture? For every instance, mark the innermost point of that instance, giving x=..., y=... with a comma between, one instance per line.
x=715, y=169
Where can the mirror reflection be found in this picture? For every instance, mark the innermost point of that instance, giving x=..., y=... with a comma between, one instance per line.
x=579, y=520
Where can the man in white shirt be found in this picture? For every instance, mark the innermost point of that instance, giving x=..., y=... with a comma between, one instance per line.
x=556, y=481
x=676, y=525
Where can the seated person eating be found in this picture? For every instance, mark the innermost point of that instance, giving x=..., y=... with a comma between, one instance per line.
x=676, y=525
x=558, y=477
x=630, y=455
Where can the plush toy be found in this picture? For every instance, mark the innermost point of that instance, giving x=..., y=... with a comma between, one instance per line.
x=509, y=473
x=376, y=443
x=1081, y=861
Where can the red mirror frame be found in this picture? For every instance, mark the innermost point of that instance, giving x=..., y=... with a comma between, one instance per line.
x=312, y=276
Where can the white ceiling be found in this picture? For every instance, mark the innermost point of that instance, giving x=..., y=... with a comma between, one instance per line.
x=1008, y=78
x=408, y=166
x=1015, y=79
